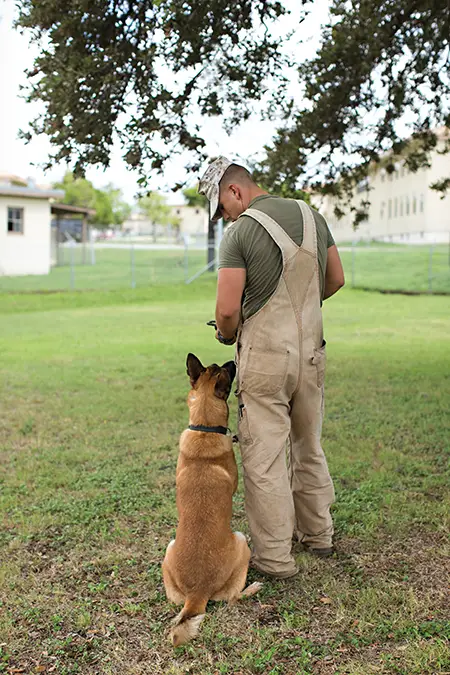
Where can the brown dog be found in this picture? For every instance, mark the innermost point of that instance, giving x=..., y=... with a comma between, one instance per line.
x=206, y=560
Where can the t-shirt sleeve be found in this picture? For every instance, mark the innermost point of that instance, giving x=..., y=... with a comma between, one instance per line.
x=230, y=254
x=330, y=240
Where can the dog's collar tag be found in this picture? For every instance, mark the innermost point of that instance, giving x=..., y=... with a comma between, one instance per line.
x=212, y=430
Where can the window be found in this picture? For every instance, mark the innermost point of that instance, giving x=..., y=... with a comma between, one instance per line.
x=421, y=203
x=395, y=207
x=390, y=208
x=382, y=210
x=383, y=176
x=407, y=206
x=401, y=206
x=197, y=211
x=15, y=219
x=414, y=205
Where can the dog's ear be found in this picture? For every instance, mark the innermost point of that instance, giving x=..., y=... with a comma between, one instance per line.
x=226, y=376
x=194, y=368
x=230, y=366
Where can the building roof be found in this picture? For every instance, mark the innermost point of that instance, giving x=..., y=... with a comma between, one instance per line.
x=58, y=208
x=30, y=192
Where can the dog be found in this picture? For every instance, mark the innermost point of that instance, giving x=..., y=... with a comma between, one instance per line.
x=206, y=560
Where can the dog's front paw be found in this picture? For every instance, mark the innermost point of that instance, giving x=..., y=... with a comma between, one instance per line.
x=252, y=589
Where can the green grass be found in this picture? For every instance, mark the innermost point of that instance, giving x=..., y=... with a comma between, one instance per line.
x=393, y=267
x=93, y=402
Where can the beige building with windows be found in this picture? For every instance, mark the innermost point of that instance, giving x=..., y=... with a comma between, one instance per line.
x=25, y=226
x=192, y=222
x=403, y=208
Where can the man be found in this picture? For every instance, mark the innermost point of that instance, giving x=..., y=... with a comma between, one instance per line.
x=277, y=263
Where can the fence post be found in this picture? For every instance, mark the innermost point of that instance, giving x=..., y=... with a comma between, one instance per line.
x=91, y=241
x=219, y=231
x=186, y=257
x=72, y=264
x=353, y=263
x=133, y=280
x=430, y=270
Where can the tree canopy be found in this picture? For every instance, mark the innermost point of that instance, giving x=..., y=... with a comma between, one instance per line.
x=110, y=208
x=141, y=69
x=149, y=70
x=376, y=89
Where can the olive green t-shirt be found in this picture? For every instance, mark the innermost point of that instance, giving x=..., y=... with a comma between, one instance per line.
x=247, y=245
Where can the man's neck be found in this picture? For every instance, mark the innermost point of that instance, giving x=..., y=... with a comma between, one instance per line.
x=256, y=192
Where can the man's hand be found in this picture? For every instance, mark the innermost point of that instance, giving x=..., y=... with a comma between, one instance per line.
x=223, y=340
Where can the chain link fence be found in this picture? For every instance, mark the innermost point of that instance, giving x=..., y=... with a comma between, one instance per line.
x=119, y=264
x=123, y=263
x=402, y=268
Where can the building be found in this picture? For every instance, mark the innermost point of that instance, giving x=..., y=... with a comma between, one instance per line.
x=191, y=221
x=25, y=226
x=403, y=207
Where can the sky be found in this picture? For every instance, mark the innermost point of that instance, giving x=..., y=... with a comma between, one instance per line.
x=16, y=55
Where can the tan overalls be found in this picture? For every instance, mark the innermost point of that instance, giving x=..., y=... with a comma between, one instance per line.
x=281, y=368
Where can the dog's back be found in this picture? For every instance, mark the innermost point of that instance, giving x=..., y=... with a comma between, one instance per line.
x=206, y=560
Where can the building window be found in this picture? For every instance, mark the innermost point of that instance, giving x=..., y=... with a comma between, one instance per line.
x=390, y=208
x=407, y=206
x=383, y=176
x=15, y=219
x=421, y=203
x=414, y=205
x=401, y=206
x=197, y=211
x=382, y=210
x=395, y=207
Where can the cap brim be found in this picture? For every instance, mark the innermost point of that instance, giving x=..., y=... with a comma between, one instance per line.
x=214, y=212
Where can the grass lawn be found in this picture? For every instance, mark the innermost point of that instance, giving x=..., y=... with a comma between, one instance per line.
x=93, y=402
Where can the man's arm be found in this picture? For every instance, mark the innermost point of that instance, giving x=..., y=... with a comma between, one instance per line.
x=334, y=273
x=230, y=287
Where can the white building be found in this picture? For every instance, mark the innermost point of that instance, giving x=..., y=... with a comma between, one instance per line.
x=191, y=221
x=25, y=226
x=402, y=205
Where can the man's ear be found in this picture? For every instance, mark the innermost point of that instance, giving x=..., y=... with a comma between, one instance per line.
x=223, y=383
x=194, y=368
x=236, y=190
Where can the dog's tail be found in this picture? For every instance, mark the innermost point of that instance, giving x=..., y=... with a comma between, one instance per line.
x=187, y=624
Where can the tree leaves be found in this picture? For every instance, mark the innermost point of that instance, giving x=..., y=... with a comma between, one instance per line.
x=141, y=68
x=380, y=62
x=147, y=70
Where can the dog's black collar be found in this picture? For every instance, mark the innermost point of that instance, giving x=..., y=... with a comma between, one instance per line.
x=212, y=430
